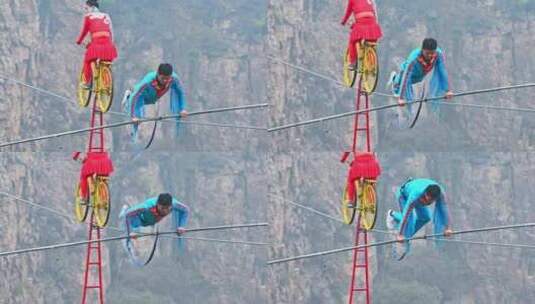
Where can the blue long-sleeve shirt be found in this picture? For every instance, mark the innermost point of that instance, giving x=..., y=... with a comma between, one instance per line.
x=146, y=214
x=148, y=92
x=414, y=214
x=413, y=71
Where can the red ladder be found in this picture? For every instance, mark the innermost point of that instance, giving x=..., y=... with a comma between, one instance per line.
x=93, y=261
x=360, y=256
x=92, y=145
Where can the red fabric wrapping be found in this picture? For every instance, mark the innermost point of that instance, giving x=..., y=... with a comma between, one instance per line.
x=365, y=165
x=95, y=163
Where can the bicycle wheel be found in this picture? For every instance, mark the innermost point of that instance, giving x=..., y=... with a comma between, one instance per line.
x=368, y=207
x=83, y=94
x=142, y=248
x=105, y=88
x=348, y=207
x=349, y=75
x=81, y=206
x=101, y=202
x=370, y=69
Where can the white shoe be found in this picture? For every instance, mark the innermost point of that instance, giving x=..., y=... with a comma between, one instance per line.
x=125, y=100
x=122, y=214
x=390, y=221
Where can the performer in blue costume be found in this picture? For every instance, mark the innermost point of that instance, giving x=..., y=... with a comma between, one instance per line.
x=154, y=210
x=415, y=197
x=420, y=62
x=153, y=86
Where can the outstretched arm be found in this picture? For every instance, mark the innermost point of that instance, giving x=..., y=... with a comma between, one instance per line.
x=375, y=11
x=111, y=28
x=181, y=213
x=348, y=12
x=84, y=31
x=444, y=82
x=441, y=217
x=178, y=102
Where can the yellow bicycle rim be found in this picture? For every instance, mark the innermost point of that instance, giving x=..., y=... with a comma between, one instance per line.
x=84, y=95
x=348, y=75
x=104, y=88
x=370, y=69
x=101, y=203
x=80, y=206
x=348, y=208
x=368, y=207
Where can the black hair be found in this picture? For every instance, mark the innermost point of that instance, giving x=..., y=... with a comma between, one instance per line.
x=429, y=44
x=433, y=191
x=92, y=3
x=165, y=199
x=165, y=69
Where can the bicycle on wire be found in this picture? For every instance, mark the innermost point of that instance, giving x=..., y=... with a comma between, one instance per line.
x=92, y=191
x=101, y=86
x=359, y=196
x=367, y=67
x=364, y=202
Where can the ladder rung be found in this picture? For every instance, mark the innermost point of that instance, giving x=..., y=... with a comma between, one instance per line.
x=360, y=266
x=93, y=263
x=360, y=289
x=93, y=286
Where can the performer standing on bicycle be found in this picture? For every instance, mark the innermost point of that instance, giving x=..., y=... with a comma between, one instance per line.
x=101, y=45
x=154, y=210
x=153, y=86
x=414, y=198
x=366, y=26
x=420, y=62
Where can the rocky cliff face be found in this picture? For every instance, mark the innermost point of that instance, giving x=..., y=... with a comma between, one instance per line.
x=484, y=158
x=216, y=50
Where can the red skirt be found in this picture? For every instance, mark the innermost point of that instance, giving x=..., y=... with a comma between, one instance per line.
x=95, y=163
x=365, y=165
x=100, y=48
x=366, y=28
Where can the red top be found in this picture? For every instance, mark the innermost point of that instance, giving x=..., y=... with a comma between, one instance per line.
x=358, y=6
x=95, y=22
x=161, y=90
x=427, y=66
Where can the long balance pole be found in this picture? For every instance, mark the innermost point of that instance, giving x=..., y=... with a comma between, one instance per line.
x=311, y=255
